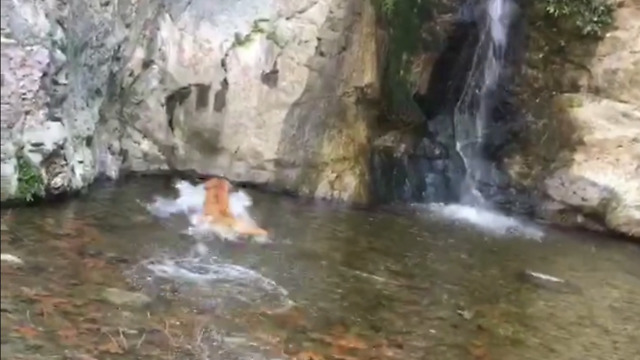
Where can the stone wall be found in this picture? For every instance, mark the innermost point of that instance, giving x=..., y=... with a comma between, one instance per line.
x=582, y=150
x=275, y=92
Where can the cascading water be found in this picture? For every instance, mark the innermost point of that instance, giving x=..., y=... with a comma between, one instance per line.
x=478, y=118
x=475, y=106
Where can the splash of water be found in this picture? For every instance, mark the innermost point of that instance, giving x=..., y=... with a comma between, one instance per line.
x=190, y=202
x=487, y=220
x=210, y=282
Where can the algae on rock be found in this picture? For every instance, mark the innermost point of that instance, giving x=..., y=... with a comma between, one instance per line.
x=403, y=43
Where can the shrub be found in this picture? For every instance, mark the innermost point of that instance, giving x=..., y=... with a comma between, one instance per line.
x=588, y=17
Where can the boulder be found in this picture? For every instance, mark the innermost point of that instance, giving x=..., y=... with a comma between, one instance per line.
x=598, y=174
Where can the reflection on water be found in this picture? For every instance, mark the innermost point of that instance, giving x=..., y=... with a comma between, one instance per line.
x=389, y=284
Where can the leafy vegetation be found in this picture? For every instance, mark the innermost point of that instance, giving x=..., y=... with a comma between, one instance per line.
x=587, y=17
x=259, y=26
x=30, y=181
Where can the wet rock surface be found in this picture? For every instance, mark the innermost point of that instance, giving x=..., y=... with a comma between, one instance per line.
x=409, y=168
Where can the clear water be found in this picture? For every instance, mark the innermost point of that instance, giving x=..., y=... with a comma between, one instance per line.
x=395, y=283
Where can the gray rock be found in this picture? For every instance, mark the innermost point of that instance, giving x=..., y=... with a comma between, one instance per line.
x=57, y=58
x=262, y=92
x=125, y=298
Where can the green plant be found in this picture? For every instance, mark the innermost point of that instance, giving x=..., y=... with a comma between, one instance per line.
x=259, y=26
x=387, y=6
x=588, y=17
x=30, y=180
x=240, y=40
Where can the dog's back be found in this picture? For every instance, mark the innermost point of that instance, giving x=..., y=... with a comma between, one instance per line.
x=216, y=203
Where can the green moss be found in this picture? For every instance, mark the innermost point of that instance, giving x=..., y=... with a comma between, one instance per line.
x=573, y=101
x=403, y=24
x=274, y=38
x=30, y=180
x=240, y=40
x=259, y=26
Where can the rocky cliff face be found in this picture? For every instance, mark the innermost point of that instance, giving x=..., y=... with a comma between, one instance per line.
x=271, y=92
x=584, y=144
x=57, y=59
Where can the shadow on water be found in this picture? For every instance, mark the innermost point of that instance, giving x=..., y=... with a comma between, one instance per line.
x=395, y=283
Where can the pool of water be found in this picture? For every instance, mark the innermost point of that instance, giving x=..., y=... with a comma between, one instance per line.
x=102, y=277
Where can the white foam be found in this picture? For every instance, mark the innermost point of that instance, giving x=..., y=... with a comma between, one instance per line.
x=487, y=220
x=190, y=202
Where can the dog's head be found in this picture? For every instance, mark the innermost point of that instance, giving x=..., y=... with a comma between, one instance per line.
x=217, y=183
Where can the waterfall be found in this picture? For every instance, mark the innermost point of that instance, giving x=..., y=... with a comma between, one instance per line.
x=471, y=119
x=474, y=109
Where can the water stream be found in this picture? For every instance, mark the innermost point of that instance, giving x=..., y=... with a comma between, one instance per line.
x=476, y=104
x=473, y=118
x=116, y=274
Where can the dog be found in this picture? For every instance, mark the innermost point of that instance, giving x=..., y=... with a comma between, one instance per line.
x=217, y=212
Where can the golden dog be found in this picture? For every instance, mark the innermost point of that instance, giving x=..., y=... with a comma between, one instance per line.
x=216, y=209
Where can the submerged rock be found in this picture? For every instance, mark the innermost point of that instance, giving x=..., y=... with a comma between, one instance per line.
x=125, y=298
x=11, y=259
x=548, y=282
